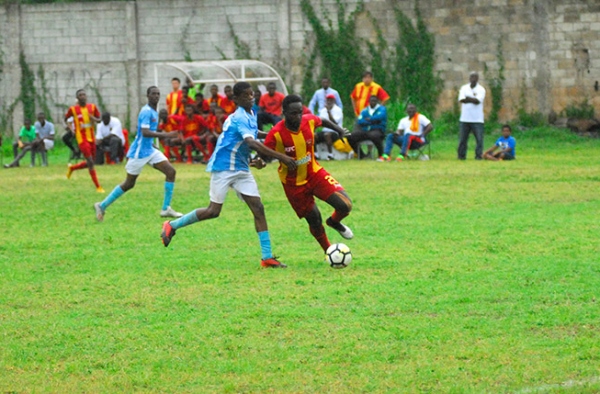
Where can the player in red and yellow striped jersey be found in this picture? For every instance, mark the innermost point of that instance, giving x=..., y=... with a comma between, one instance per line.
x=295, y=137
x=85, y=116
x=365, y=89
x=169, y=124
x=174, y=98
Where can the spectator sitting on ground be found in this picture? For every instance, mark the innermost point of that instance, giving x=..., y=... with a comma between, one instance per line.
x=320, y=96
x=365, y=89
x=270, y=106
x=109, y=138
x=335, y=114
x=370, y=126
x=26, y=142
x=411, y=133
x=227, y=103
x=44, y=131
x=507, y=145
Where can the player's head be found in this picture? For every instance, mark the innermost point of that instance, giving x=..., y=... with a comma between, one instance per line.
x=199, y=97
x=411, y=110
x=271, y=88
x=506, y=131
x=41, y=117
x=292, y=111
x=243, y=95
x=175, y=83
x=81, y=96
x=373, y=101
x=214, y=90
x=153, y=95
x=163, y=114
x=325, y=83
x=367, y=77
x=106, y=117
x=189, y=109
x=473, y=77
x=257, y=95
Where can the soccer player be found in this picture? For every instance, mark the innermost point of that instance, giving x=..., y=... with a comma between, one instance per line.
x=227, y=103
x=174, y=98
x=295, y=137
x=83, y=115
x=195, y=130
x=229, y=168
x=169, y=124
x=142, y=152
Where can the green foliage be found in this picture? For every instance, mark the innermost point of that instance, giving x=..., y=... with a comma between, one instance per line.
x=28, y=92
x=496, y=84
x=583, y=110
x=526, y=118
x=42, y=94
x=242, y=49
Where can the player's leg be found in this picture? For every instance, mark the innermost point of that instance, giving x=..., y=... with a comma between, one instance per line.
x=262, y=229
x=118, y=191
x=166, y=168
x=315, y=224
x=326, y=188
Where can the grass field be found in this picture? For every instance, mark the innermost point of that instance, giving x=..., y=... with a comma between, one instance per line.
x=467, y=277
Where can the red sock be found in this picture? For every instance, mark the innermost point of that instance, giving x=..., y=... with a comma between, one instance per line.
x=177, y=154
x=94, y=177
x=167, y=152
x=321, y=237
x=79, y=166
x=188, y=153
x=338, y=216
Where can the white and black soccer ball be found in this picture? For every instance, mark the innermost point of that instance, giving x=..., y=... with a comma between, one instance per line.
x=338, y=256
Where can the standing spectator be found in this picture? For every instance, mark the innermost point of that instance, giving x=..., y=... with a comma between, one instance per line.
x=410, y=134
x=320, y=97
x=507, y=145
x=109, y=138
x=371, y=125
x=25, y=143
x=471, y=97
x=44, y=131
x=227, y=103
x=365, y=89
x=270, y=106
x=331, y=111
x=84, y=117
x=70, y=141
x=174, y=98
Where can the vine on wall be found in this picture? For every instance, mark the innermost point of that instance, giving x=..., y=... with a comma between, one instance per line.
x=496, y=84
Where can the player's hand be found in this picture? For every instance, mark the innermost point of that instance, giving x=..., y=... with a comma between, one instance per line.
x=258, y=163
x=289, y=162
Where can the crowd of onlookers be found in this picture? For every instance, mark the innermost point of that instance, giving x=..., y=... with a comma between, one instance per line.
x=200, y=121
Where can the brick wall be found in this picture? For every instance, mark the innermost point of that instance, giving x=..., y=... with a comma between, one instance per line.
x=551, y=47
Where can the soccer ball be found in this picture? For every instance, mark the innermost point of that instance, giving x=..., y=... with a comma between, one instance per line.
x=338, y=256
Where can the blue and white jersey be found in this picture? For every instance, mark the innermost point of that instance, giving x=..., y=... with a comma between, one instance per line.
x=142, y=146
x=505, y=143
x=231, y=152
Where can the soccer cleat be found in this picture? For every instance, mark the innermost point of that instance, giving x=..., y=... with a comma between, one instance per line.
x=330, y=157
x=99, y=212
x=272, y=263
x=170, y=213
x=340, y=228
x=400, y=158
x=168, y=232
x=99, y=189
x=69, y=171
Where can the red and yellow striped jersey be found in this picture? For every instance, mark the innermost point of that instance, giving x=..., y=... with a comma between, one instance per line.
x=174, y=103
x=362, y=92
x=84, y=125
x=297, y=144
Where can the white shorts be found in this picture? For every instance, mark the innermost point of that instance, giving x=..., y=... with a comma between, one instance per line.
x=241, y=181
x=134, y=166
x=48, y=144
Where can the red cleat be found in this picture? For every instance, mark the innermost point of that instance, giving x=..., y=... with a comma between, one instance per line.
x=167, y=234
x=272, y=263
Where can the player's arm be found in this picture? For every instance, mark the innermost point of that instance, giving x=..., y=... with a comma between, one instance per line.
x=268, y=152
x=490, y=150
x=262, y=134
x=332, y=125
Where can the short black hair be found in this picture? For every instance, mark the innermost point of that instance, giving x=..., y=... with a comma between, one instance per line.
x=77, y=92
x=175, y=79
x=291, y=99
x=240, y=87
x=507, y=126
x=367, y=73
x=150, y=88
x=272, y=84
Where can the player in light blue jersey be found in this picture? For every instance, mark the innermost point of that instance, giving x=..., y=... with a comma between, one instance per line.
x=142, y=152
x=229, y=168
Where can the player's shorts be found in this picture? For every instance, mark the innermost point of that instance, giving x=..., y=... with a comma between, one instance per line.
x=88, y=149
x=508, y=156
x=135, y=166
x=241, y=181
x=320, y=185
x=48, y=144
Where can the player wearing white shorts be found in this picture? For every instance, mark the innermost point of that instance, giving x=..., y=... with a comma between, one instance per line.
x=141, y=153
x=229, y=168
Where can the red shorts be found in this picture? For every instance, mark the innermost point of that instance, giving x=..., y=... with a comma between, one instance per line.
x=301, y=198
x=88, y=149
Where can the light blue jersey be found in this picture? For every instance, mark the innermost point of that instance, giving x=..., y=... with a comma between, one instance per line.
x=231, y=152
x=142, y=146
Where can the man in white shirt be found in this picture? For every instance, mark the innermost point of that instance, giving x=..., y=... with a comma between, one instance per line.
x=410, y=134
x=335, y=114
x=109, y=138
x=44, y=131
x=471, y=97
x=320, y=97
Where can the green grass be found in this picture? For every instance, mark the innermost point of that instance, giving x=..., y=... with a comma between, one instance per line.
x=467, y=277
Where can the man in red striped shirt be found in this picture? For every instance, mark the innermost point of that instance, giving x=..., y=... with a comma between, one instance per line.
x=295, y=137
x=365, y=89
x=174, y=98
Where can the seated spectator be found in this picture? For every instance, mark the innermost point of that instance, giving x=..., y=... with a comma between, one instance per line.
x=215, y=97
x=70, y=141
x=370, y=126
x=320, y=97
x=169, y=124
x=256, y=106
x=507, y=145
x=227, y=103
x=270, y=106
x=335, y=114
x=185, y=99
x=44, y=131
x=26, y=142
x=195, y=134
x=109, y=139
x=202, y=106
x=411, y=133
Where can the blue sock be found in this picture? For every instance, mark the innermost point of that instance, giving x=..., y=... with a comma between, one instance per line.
x=265, y=244
x=185, y=220
x=168, y=194
x=116, y=193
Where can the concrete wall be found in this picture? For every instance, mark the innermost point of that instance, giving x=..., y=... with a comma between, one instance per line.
x=551, y=47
